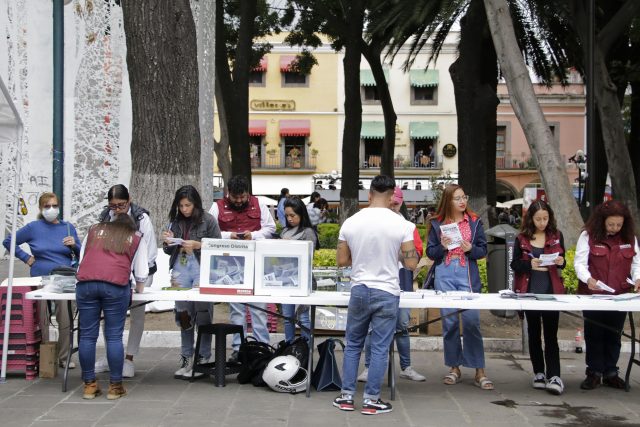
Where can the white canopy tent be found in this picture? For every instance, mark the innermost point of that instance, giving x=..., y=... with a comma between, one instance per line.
x=512, y=203
x=11, y=129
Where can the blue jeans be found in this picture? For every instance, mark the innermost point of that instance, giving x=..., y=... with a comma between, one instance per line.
x=92, y=299
x=455, y=277
x=260, y=329
x=201, y=313
x=403, y=341
x=375, y=309
x=289, y=310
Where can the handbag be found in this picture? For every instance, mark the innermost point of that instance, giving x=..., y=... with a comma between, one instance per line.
x=326, y=376
x=253, y=356
x=298, y=348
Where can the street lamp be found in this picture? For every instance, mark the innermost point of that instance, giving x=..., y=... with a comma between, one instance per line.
x=580, y=160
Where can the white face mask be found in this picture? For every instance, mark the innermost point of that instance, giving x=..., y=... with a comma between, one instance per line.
x=50, y=214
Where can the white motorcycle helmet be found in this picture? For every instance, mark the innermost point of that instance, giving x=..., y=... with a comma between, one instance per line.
x=285, y=375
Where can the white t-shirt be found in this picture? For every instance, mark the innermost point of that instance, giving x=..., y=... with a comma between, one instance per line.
x=374, y=237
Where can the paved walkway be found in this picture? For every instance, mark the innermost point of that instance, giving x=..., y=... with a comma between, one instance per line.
x=156, y=399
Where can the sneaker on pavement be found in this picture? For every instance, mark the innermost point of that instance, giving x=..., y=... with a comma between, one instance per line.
x=189, y=369
x=344, y=402
x=63, y=363
x=375, y=407
x=91, y=390
x=102, y=365
x=411, y=374
x=539, y=381
x=184, y=365
x=555, y=386
x=116, y=391
x=364, y=375
x=128, y=369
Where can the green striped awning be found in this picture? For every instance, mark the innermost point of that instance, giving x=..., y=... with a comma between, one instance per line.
x=421, y=78
x=423, y=130
x=372, y=130
x=366, y=77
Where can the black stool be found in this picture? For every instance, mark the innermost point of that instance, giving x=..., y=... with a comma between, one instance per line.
x=218, y=368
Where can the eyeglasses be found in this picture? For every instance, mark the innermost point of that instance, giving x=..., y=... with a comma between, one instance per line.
x=50, y=206
x=117, y=206
x=461, y=198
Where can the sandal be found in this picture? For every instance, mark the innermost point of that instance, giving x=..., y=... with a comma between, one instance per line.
x=484, y=383
x=451, y=378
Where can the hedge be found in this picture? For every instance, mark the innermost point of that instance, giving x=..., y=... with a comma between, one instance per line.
x=327, y=258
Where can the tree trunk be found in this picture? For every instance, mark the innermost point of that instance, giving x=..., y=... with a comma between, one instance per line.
x=529, y=114
x=352, y=110
x=224, y=95
x=239, y=123
x=634, y=138
x=372, y=54
x=205, y=26
x=163, y=74
x=474, y=75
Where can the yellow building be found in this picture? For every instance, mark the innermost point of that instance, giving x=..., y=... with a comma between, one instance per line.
x=293, y=120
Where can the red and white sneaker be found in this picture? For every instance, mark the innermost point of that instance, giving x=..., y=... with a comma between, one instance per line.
x=375, y=407
x=344, y=402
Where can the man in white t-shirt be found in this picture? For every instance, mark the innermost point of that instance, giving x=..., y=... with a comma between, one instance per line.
x=372, y=242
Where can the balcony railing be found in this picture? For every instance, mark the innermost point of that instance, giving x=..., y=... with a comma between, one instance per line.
x=273, y=161
x=402, y=162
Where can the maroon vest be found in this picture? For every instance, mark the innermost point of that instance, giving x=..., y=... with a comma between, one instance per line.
x=551, y=246
x=235, y=221
x=103, y=266
x=610, y=262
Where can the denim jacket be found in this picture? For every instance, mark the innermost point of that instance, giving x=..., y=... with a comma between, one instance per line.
x=437, y=253
x=208, y=228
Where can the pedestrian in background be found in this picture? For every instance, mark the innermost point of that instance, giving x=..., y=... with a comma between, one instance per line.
x=540, y=235
x=606, y=252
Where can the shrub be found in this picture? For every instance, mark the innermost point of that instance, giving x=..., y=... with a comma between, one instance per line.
x=482, y=267
x=569, y=273
x=324, y=258
x=328, y=235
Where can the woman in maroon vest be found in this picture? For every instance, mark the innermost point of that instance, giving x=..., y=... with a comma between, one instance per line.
x=540, y=235
x=110, y=252
x=606, y=253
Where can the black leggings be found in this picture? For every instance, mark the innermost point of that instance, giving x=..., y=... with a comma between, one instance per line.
x=551, y=354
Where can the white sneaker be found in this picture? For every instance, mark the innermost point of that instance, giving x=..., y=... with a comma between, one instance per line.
x=189, y=368
x=410, y=374
x=128, y=369
x=364, y=375
x=102, y=365
x=539, y=381
x=184, y=364
x=63, y=364
x=555, y=386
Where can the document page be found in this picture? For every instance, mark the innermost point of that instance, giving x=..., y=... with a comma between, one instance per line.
x=452, y=231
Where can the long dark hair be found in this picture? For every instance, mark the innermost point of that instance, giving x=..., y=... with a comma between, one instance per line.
x=190, y=193
x=445, y=207
x=528, y=228
x=115, y=236
x=300, y=209
x=596, y=228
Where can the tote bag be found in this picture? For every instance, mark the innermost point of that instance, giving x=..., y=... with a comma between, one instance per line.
x=326, y=376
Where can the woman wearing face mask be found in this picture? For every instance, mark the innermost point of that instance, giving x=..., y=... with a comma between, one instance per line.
x=606, y=252
x=53, y=243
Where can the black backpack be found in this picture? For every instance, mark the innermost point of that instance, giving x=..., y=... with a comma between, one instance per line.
x=298, y=348
x=254, y=357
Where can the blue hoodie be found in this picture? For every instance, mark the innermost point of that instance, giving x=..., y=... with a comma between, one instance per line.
x=437, y=253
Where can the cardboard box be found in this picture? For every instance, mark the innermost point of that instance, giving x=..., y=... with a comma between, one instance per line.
x=283, y=267
x=434, y=329
x=49, y=359
x=227, y=266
